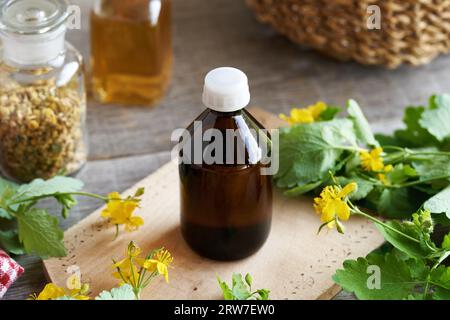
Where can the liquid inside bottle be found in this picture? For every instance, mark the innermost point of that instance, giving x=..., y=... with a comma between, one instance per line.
x=131, y=50
x=226, y=206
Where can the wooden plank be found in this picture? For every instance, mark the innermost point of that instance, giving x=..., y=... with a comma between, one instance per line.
x=305, y=261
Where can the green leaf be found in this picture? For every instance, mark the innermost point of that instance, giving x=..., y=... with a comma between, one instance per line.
x=5, y=215
x=6, y=184
x=249, y=280
x=386, y=140
x=415, y=297
x=240, y=289
x=363, y=130
x=437, y=118
x=263, y=294
x=433, y=170
x=9, y=241
x=398, y=203
x=401, y=173
x=441, y=219
x=359, y=277
x=330, y=113
x=446, y=242
x=418, y=268
x=65, y=298
x=309, y=151
x=54, y=186
x=364, y=186
x=39, y=232
x=409, y=247
x=124, y=292
x=441, y=277
x=7, y=191
x=227, y=292
x=439, y=203
x=414, y=135
x=441, y=294
x=299, y=190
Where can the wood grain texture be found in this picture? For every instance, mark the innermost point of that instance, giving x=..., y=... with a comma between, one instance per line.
x=305, y=261
x=128, y=143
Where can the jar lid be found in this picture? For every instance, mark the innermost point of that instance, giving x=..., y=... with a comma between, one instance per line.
x=28, y=17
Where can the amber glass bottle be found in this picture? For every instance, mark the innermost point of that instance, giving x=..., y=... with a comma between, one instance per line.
x=131, y=44
x=226, y=206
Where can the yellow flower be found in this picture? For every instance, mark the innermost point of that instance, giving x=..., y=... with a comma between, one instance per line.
x=133, y=250
x=332, y=204
x=139, y=272
x=73, y=282
x=50, y=292
x=81, y=293
x=382, y=176
x=306, y=115
x=372, y=161
x=120, y=212
x=77, y=289
x=160, y=262
x=126, y=269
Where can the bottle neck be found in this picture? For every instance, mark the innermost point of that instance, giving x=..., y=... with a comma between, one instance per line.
x=226, y=113
x=34, y=50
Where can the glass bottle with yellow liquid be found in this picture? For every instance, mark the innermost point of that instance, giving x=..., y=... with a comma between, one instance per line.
x=131, y=50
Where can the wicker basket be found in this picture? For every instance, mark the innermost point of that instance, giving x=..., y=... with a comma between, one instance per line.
x=412, y=31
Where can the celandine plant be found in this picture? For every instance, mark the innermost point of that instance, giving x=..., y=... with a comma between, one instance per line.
x=39, y=232
x=412, y=270
x=405, y=177
x=134, y=272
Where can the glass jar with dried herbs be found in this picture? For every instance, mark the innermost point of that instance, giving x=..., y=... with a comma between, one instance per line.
x=42, y=92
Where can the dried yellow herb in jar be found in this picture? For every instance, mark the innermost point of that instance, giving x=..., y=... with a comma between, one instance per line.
x=42, y=92
x=41, y=131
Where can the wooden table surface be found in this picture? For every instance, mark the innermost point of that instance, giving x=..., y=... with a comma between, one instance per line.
x=128, y=143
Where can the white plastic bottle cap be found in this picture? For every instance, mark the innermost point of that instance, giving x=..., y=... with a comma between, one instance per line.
x=226, y=90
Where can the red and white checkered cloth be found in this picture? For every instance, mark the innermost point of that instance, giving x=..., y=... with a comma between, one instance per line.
x=10, y=270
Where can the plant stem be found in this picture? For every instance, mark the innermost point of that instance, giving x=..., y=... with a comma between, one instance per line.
x=394, y=148
x=411, y=155
x=135, y=284
x=346, y=148
x=444, y=256
x=137, y=293
x=424, y=153
x=84, y=194
x=150, y=277
x=427, y=288
x=117, y=232
x=375, y=220
x=415, y=183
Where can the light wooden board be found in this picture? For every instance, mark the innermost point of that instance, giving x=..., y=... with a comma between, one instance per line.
x=295, y=263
